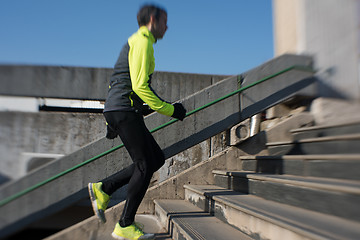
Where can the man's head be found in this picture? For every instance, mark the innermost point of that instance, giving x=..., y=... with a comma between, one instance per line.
x=155, y=18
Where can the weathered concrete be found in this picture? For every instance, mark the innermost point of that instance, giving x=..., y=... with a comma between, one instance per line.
x=326, y=130
x=181, y=218
x=64, y=133
x=256, y=98
x=173, y=139
x=281, y=132
x=337, y=166
x=31, y=161
x=335, y=111
x=277, y=111
x=90, y=83
x=263, y=219
x=44, y=133
x=172, y=188
x=191, y=156
x=240, y=132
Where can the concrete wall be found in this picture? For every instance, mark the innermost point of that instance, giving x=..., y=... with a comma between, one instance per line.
x=23, y=135
x=44, y=132
x=90, y=83
x=328, y=30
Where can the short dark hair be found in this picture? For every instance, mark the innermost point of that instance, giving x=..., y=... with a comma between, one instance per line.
x=148, y=10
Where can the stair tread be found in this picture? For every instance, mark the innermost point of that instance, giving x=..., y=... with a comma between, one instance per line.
x=304, y=157
x=196, y=222
x=303, y=129
x=355, y=136
x=330, y=184
x=339, y=185
x=281, y=214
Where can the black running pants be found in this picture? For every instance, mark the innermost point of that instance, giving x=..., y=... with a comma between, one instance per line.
x=146, y=155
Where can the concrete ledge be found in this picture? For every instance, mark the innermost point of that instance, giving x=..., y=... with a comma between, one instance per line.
x=44, y=133
x=336, y=111
x=90, y=83
x=32, y=161
x=281, y=131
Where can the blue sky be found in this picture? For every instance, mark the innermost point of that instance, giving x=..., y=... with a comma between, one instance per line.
x=215, y=37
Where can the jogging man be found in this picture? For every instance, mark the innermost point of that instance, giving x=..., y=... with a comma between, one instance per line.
x=130, y=97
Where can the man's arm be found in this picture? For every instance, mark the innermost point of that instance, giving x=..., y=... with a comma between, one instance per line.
x=141, y=61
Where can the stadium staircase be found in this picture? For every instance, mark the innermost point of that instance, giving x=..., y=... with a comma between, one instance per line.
x=293, y=180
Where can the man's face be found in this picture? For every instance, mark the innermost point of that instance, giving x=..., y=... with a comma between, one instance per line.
x=159, y=27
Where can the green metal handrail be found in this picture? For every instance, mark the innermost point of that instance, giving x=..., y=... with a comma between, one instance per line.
x=27, y=190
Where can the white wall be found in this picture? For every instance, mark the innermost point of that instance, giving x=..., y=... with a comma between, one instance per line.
x=327, y=30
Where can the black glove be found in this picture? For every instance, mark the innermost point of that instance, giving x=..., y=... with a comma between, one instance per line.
x=179, y=111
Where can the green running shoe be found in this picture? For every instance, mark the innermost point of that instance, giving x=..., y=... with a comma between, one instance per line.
x=132, y=232
x=99, y=200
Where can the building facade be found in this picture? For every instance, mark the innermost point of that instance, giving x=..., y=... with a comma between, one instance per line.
x=329, y=31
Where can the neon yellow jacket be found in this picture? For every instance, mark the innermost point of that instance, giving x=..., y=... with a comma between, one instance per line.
x=132, y=76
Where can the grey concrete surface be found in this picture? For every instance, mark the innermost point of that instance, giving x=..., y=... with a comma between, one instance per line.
x=281, y=131
x=337, y=166
x=335, y=111
x=326, y=130
x=90, y=83
x=149, y=222
x=301, y=191
x=263, y=219
x=44, y=133
x=176, y=138
x=240, y=132
x=64, y=133
x=183, y=222
x=171, y=188
x=309, y=193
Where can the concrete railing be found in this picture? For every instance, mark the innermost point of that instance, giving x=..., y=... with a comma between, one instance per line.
x=64, y=191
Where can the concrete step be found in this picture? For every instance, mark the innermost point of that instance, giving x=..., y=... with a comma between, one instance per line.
x=265, y=219
x=186, y=221
x=341, y=166
x=171, y=188
x=342, y=196
x=346, y=144
x=101, y=231
x=326, y=130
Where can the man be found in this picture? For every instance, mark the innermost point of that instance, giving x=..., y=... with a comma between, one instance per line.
x=130, y=97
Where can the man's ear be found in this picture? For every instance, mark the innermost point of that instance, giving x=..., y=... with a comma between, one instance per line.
x=152, y=19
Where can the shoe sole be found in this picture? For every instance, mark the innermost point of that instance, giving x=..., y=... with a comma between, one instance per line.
x=98, y=212
x=122, y=238
x=118, y=237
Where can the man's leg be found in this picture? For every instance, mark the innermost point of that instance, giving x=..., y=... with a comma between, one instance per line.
x=118, y=180
x=147, y=157
x=144, y=152
x=100, y=192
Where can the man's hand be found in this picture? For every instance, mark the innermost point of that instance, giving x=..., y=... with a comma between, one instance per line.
x=179, y=111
